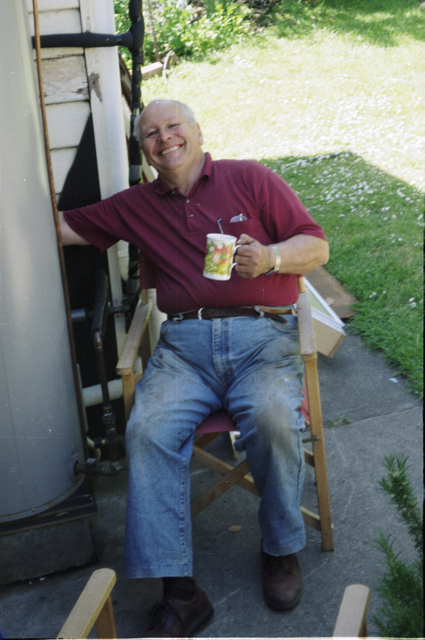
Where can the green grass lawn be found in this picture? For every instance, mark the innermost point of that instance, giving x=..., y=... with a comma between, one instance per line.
x=333, y=100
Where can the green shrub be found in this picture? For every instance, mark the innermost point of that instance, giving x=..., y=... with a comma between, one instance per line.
x=190, y=32
x=401, y=588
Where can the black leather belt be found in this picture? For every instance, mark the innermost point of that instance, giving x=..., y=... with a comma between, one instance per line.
x=209, y=313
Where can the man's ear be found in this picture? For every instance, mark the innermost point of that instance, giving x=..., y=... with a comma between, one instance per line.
x=200, y=136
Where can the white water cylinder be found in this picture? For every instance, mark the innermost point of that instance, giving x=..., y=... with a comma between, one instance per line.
x=40, y=434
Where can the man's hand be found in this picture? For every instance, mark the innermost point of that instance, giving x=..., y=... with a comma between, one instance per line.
x=252, y=258
x=299, y=254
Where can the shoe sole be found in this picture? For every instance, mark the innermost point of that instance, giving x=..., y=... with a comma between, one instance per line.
x=284, y=607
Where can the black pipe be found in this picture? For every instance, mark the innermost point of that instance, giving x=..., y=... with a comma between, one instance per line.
x=86, y=40
x=134, y=155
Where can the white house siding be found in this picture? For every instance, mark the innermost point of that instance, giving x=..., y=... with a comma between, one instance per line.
x=70, y=98
x=65, y=84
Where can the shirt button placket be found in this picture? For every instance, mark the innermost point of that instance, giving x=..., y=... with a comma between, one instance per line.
x=190, y=215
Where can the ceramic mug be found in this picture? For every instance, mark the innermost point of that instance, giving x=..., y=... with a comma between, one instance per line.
x=219, y=256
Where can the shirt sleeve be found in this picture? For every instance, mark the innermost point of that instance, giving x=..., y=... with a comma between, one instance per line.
x=97, y=223
x=282, y=212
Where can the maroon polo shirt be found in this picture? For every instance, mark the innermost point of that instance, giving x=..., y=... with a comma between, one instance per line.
x=171, y=229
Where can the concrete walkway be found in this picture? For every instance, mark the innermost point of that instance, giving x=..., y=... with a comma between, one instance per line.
x=384, y=418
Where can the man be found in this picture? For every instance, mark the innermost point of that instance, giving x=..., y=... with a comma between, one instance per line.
x=230, y=344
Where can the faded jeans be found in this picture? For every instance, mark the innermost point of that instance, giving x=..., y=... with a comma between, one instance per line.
x=251, y=367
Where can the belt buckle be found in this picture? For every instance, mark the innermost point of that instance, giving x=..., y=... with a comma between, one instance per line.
x=260, y=312
x=200, y=313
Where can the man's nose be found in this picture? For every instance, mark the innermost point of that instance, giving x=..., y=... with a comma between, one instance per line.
x=164, y=134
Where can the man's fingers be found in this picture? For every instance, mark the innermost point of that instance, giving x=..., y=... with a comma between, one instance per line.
x=244, y=238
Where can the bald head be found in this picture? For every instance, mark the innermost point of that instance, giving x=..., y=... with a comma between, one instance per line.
x=152, y=107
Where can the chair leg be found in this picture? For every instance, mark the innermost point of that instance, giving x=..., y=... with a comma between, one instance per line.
x=316, y=425
x=105, y=623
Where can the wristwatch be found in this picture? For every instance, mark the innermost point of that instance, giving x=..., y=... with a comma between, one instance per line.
x=276, y=267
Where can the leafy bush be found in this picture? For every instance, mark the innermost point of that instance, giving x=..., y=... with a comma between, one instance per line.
x=401, y=614
x=190, y=32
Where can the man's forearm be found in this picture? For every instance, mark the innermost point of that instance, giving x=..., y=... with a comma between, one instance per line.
x=299, y=254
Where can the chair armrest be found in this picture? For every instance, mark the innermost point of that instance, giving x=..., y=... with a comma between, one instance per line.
x=305, y=322
x=351, y=621
x=135, y=334
x=92, y=607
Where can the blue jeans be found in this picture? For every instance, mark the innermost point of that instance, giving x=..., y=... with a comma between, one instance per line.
x=251, y=367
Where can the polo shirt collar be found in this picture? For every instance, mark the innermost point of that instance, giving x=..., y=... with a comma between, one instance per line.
x=162, y=188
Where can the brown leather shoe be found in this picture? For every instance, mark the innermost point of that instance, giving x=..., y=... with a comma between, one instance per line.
x=282, y=582
x=173, y=618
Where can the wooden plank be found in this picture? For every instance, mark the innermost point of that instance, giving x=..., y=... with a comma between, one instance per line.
x=133, y=340
x=305, y=324
x=235, y=475
x=351, y=620
x=89, y=605
x=328, y=329
x=338, y=298
x=54, y=52
x=328, y=335
x=222, y=468
x=64, y=21
x=62, y=160
x=65, y=80
x=66, y=122
x=105, y=623
x=104, y=79
x=311, y=519
x=51, y=5
x=316, y=427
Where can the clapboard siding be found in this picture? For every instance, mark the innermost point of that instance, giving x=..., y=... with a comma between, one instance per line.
x=63, y=21
x=65, y=84
x=66, y=123
x=53, y=5
x=65, y=79
x=62, y=160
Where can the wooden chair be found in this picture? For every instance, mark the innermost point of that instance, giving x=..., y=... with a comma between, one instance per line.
x=138, y=341
x=351, y=620
x=93, y=607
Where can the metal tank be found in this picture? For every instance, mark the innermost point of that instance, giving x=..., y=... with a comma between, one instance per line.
x=40, y=434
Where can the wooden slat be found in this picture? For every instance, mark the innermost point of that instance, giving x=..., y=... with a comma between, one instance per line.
x=309, y=457
x=62, y=160
x=66, y=122
x=90, y=605
x=132, y=343
x=52, y=5
x=64, y=21
x=311, y=518
x=232, y=477
x=222, y=468
x=105, y=623
x=305, y=323
x=65, y=80
x=316, y=427
x=351, y=621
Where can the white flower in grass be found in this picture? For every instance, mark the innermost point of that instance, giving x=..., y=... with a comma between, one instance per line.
x=373, y=295
x=412, y=302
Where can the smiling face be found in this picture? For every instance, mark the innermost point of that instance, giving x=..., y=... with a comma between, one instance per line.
x=170, y=142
